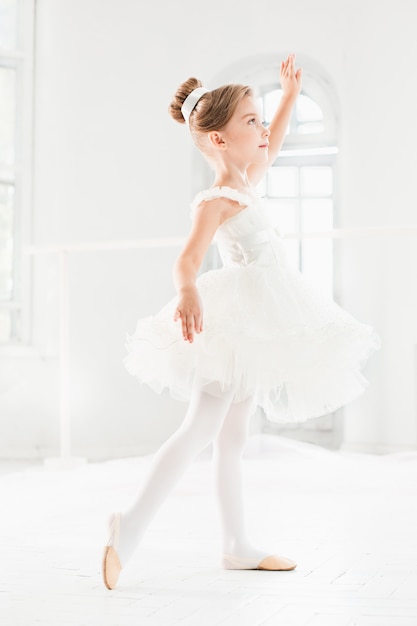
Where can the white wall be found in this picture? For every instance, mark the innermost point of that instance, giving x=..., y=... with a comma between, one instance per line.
x=105, y=72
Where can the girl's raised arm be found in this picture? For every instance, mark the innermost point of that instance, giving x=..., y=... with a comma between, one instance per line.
x=291, y=86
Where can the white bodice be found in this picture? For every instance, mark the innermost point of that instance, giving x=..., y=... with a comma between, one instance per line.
x=248, y=237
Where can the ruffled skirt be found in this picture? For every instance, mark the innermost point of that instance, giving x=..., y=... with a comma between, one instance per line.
x=268, y=334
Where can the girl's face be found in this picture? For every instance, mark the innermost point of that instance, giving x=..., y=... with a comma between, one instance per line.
x=245, y=135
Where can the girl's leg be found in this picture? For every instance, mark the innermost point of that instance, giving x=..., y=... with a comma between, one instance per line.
x=239, y=553
x=228, y=449
x=202, y=422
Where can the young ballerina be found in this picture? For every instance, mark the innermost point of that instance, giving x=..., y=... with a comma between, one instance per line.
x=253, y=333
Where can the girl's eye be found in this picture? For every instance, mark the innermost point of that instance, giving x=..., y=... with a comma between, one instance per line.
x=266, y=124
x=252, y=121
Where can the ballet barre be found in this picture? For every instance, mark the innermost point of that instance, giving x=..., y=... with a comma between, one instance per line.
x=167, y=242
x=63, y=251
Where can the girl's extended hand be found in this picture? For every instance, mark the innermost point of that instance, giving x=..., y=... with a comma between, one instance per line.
x=190, y=311
x=290, y=77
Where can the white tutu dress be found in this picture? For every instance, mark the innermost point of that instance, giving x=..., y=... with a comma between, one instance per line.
x=266, y=331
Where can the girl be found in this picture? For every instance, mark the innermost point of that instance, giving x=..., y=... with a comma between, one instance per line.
x=252, y=333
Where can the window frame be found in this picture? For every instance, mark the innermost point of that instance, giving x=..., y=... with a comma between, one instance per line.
x=20, y=174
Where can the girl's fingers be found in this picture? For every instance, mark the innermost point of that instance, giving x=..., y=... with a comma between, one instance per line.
x=178, y=316
x=290, y=60
x=198, y=323
x=190, y=324
x=288, y=68
x=187, y=328
x=288, y=65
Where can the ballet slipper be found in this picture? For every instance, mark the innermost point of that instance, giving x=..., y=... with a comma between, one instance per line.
x=111, y=566
x=277, y=563
x=271, y=563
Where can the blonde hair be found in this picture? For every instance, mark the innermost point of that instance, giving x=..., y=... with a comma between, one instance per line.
x=213, y=110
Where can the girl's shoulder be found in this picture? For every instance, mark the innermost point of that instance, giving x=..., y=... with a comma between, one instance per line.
x=244, y=199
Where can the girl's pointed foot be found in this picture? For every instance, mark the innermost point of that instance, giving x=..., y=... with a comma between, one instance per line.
x=111, y=566
x=271, y=563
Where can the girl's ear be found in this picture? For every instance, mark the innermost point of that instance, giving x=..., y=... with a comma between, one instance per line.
x=216, y=140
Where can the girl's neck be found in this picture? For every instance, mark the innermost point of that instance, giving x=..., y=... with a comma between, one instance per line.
x=239, y=182
x=230, y=173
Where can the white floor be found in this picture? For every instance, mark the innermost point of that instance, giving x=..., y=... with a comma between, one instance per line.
x=349, y=521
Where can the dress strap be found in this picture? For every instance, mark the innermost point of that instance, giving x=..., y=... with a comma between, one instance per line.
x=221, y=192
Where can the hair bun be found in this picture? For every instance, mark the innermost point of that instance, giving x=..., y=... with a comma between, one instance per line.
x=180, y=95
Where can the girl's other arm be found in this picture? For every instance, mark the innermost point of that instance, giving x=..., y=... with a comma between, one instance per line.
x=190, y=309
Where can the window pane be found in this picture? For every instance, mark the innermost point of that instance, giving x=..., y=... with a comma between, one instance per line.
x=310, y=128
x=283, y=214
x=316, y=181
x=6, y=241
x=307, y=110
x=283, y=182
x=8, y=24
x=317, y=254
x=317, y=263
x=271, y=102
x=292, y=252
x=7, y=115
x=317, y=214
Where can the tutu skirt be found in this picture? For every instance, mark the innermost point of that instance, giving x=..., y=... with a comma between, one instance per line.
x=268, y=334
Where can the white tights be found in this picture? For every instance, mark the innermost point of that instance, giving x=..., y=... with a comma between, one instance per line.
x=209, y=418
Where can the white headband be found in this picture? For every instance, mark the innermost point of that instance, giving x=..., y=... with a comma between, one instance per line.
x=191, y=101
